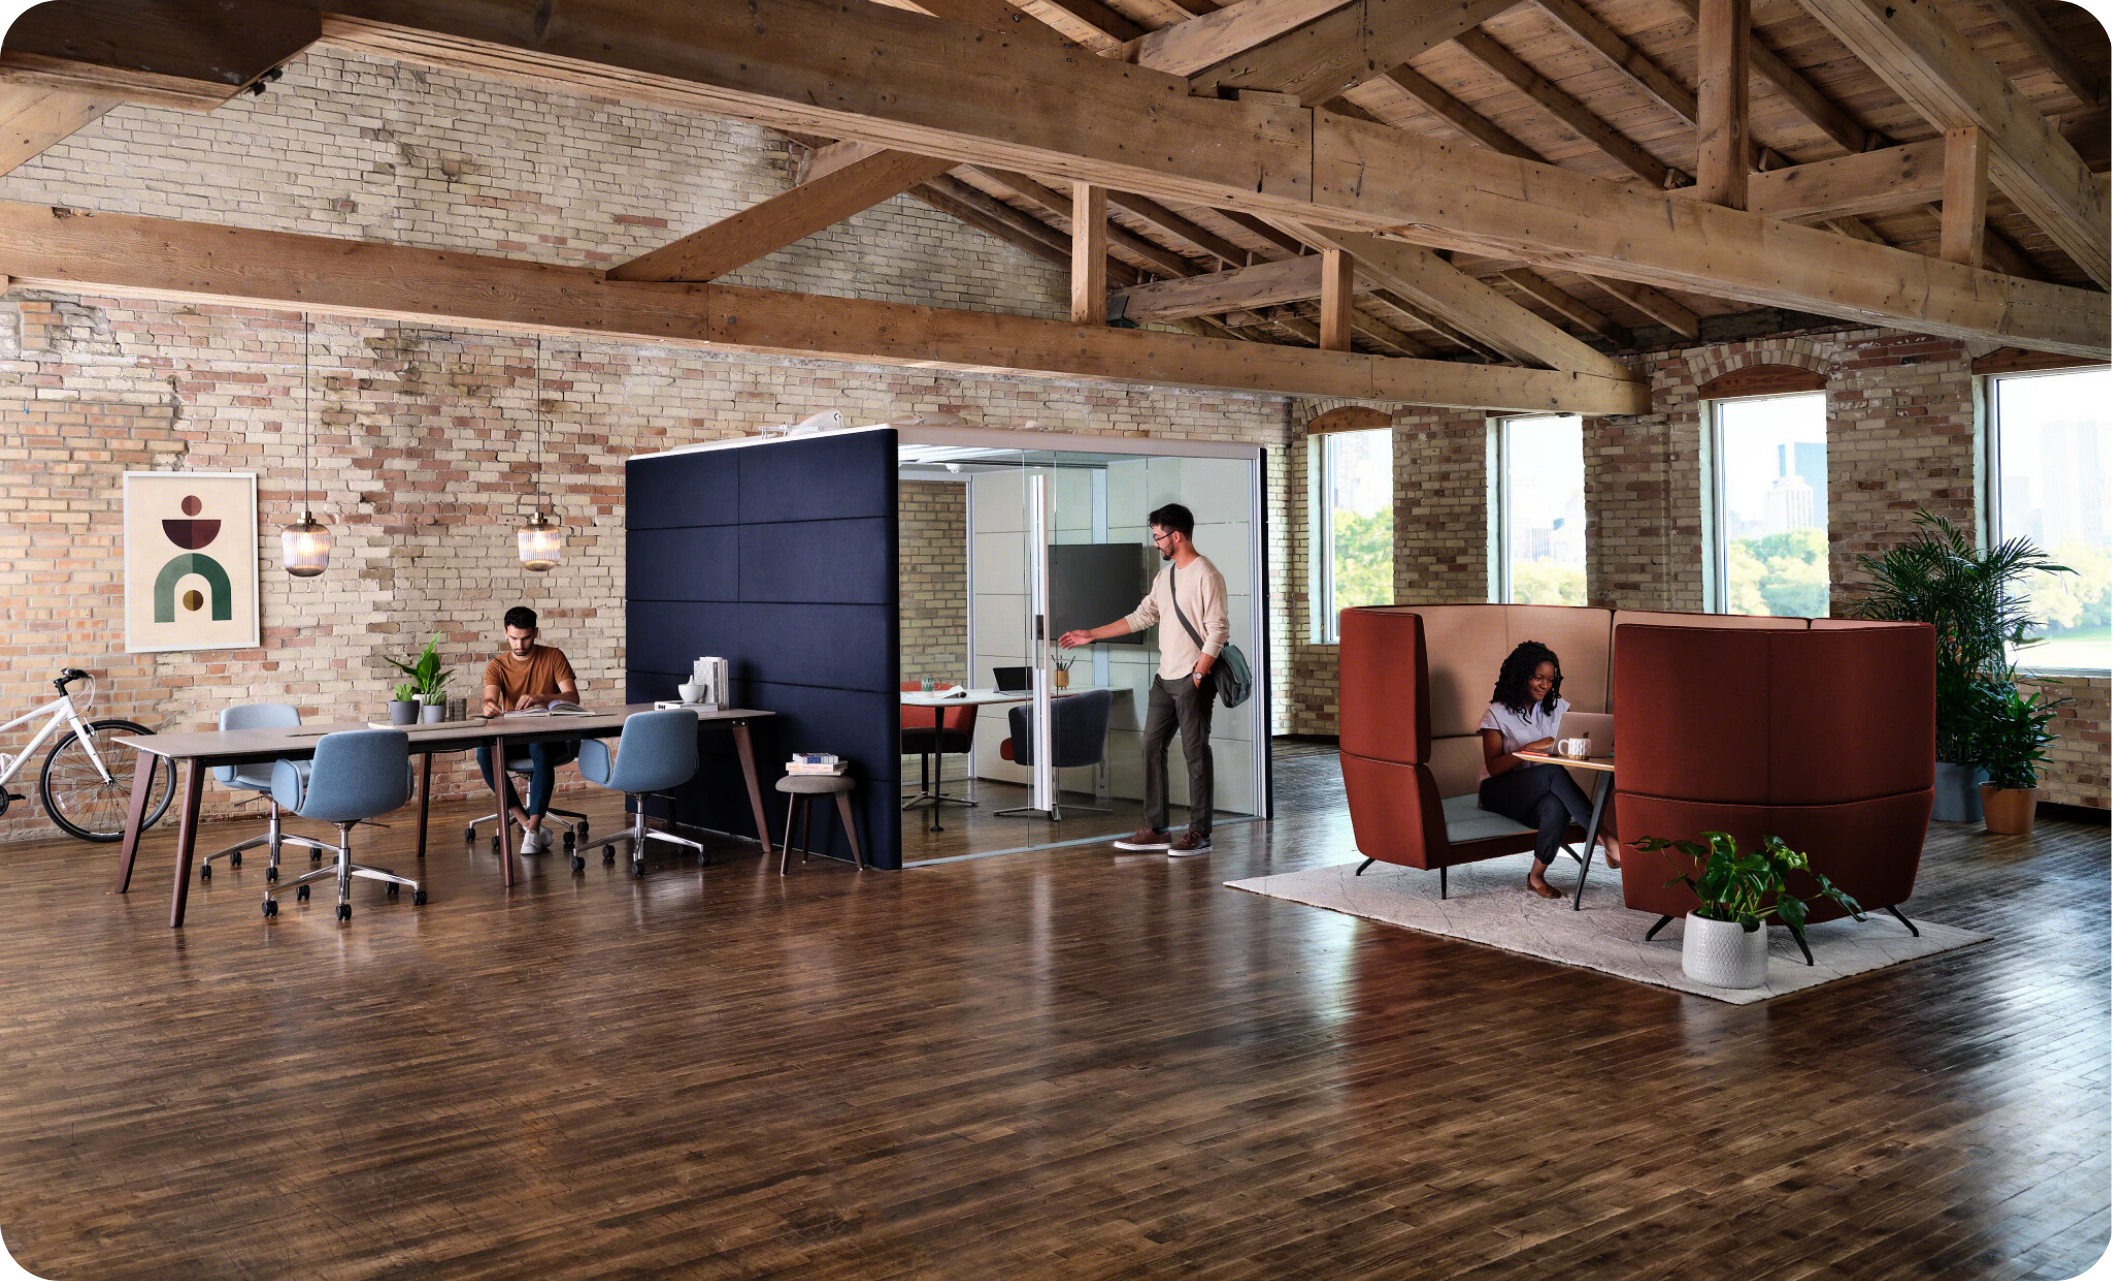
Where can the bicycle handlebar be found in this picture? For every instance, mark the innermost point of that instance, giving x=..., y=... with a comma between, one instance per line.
x=67, y=676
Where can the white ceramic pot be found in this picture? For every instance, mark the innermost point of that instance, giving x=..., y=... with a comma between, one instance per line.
x=691, y=692
x=1722, y=954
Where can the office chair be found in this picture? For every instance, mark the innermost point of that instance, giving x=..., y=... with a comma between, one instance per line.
x=257, y=778
x=574, y=822
x=1078, y=735
x=355, y=776
x=656, y=753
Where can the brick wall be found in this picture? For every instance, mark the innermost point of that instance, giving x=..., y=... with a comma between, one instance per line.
x=933, y=545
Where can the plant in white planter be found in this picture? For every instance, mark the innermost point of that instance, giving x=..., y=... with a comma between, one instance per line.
x=1724, y=941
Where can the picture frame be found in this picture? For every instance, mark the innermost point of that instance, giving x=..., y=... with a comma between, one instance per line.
x=190, y=561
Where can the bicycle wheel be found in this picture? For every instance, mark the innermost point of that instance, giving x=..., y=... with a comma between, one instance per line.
x=78, y=799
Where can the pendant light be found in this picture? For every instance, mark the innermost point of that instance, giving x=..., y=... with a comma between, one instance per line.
x=540, y=542
x=306, y=546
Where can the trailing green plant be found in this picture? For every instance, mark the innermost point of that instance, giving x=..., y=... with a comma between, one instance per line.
x=1975, y=601
x=428, y=678
x=2011, y=736
x=1749, y=888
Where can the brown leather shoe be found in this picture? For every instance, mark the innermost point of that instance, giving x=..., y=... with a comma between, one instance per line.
x=1144, y=838
x=1189, y=843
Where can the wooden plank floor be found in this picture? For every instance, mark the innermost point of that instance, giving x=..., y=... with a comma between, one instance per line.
x=1064, y=1064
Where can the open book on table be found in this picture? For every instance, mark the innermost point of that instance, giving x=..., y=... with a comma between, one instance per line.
x=558, y=708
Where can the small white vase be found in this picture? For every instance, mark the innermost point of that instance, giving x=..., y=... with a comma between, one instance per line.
x=1722, y=954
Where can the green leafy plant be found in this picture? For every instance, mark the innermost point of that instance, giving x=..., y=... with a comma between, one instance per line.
x=407, y=692
x=1976, y=602
x=429, y=679
x=1749, y=888
x=2011, y=736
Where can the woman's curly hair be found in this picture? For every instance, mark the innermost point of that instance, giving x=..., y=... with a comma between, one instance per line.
x=1518, y=669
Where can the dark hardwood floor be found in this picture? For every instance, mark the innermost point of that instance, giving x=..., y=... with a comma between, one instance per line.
x=1064, y=1063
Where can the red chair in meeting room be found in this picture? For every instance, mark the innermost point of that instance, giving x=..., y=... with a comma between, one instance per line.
x=955, y=736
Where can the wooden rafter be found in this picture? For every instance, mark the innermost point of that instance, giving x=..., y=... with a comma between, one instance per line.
x=2021, y=17
x=130, y=256
x=1670, y=312
x=1200, y=42
x=1723, y=148
x=1347, y=47
x=1875, y=182
x=1265, y=284
x=33, y=117
x=1458, y=114
x=1574, y=115
x=1564, y=304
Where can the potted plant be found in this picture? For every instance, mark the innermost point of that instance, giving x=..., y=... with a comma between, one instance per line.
x=403, y=708
x=428, y=684
x=2011, y=743
x=1723, y=942
x=1974, y=600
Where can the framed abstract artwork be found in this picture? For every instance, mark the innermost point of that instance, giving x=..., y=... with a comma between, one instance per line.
x=190, y=560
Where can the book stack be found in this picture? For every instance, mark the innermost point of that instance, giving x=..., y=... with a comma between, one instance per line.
x=815, y=763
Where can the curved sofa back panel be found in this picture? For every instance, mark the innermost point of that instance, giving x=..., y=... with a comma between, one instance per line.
x=1691, y=713
x=1719, y=622
x=1384, y=693
x=1871, y=849
x=1396, y=814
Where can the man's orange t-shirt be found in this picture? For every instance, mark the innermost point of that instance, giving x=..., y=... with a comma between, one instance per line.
x=537, y=675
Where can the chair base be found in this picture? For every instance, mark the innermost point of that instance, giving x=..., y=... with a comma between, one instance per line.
x=574, y=823
x=343, y=871
x=273, y=839
x=1055, y=813
x=638, y=834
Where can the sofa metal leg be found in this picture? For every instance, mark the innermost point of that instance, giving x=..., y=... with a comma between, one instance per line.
x=1361, y=867
x=1652, y=933
x=1904, y=921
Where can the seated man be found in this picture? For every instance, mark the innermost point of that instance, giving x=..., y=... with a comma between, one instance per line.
x=529, y=675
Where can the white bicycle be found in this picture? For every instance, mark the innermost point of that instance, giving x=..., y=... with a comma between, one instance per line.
x=80, y=790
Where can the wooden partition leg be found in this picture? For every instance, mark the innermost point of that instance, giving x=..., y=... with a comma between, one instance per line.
x=425, y=799
x=506, y=814
x=755, y=787
x=186, y=841
x=136, y=817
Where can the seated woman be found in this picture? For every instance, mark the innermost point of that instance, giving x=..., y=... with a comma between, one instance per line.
x=1524, y=711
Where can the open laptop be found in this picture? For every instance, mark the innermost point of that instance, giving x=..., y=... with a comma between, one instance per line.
x=1597, y=726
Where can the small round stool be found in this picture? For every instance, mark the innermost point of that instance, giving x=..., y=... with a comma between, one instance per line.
x=801, y=791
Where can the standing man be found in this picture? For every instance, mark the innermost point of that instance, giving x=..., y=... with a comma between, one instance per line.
x=1187, y=600
x=528, y=675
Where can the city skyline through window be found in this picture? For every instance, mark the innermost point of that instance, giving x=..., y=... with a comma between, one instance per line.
x=1543, y=511
x=2050, y=466
x=1354, y=531
x=1770, y=535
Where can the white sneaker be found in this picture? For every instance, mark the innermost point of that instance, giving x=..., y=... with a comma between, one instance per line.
x=535, y=841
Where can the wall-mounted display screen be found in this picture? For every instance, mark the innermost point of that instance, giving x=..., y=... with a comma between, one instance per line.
x=1095, y=583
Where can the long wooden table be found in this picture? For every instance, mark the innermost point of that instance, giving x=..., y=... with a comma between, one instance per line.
x=201, y=750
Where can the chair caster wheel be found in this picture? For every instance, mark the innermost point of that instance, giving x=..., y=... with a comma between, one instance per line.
x=301, y=892
x=271, y=873
x=495, y=842
x=235, y=859
x=570, y=840
x=608, y=854
x=206, y=873
x=469, y=833
x=579, y=863
x=271, y=907
x=638, y=871
x=394, y=888
x=583, y=831
x=418, y=898
x=344, y=911
x=315, y=856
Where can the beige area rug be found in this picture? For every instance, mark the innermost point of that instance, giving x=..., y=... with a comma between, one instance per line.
x=1488, y=903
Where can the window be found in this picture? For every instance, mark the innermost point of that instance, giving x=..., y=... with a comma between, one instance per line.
x=1768, y=506
x=2048, y=462
x=1541, y=510
x=1353, y=525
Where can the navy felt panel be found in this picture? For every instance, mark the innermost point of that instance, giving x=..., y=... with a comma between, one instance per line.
x=696, y=563
x=850, y=562
x=840, y=646
x=824, y=478
x=683, y=489
x=670, y=636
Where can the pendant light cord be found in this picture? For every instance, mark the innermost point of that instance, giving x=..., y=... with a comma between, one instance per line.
x=539, y=424
x=307, y=413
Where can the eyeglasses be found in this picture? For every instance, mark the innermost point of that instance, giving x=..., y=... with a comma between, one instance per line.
x=1157, y=539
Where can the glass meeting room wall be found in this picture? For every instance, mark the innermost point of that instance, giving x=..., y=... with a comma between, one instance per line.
x=1052, y=538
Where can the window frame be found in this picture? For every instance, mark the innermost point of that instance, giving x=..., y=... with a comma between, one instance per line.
x=1989, y=491
x=1500, y=488
x=1325, y=626
x=1716, y=547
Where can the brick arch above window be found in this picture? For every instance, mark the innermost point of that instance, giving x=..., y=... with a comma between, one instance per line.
x=1349, y=418
x=1709, y=364
x=1761, y=380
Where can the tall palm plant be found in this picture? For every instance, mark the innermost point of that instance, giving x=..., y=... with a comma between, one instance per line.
x=1974, y=600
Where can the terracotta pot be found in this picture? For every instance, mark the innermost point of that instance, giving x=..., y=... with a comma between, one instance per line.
x=1722, y=953
x=2008, y=811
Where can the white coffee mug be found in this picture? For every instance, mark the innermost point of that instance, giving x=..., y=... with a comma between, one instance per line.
x=691, y=691
x=1574, y=747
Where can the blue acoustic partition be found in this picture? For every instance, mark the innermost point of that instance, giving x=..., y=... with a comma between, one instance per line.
x=779, y=556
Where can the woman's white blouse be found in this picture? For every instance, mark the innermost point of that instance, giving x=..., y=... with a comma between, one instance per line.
x=1519, y=730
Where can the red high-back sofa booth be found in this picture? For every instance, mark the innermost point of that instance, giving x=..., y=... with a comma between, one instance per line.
x=1820, y=731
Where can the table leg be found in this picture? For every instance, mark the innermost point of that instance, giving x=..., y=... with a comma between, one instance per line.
x=1599, y=809
x=755, y=788
x=136, y=817
x=186, y=841
x=505, y=811
x=938, y=764
x=425, y=799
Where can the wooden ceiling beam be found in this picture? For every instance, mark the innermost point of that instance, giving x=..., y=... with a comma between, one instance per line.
x=1823, y=112
x=1349, y=46
x=1458, y=114
x=1574, y=115
x=1089, y=254
x=1874, y=182
x=1023, y=225
x=129, y=256
x=1186, y=48
x=1963, y=223
x=1930, y=63
x=33, y=118
x=1160, y=258
x=1723, y=147
x=1669, y=312
x=2021, y=17
x=191, y=57
x=1565, y=305
x=1265, y=284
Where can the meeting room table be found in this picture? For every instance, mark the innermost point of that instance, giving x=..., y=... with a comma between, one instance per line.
x=200, y=750
x=1602, y=768
x=939, y=701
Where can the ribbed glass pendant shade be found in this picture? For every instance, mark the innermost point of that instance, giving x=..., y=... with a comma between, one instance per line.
x=306, y=547
x=541, y=543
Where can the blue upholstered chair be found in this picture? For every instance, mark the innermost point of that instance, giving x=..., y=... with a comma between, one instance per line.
x=1078, y=735
x=355, y=776
x=257, y=778
x=657, y=752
